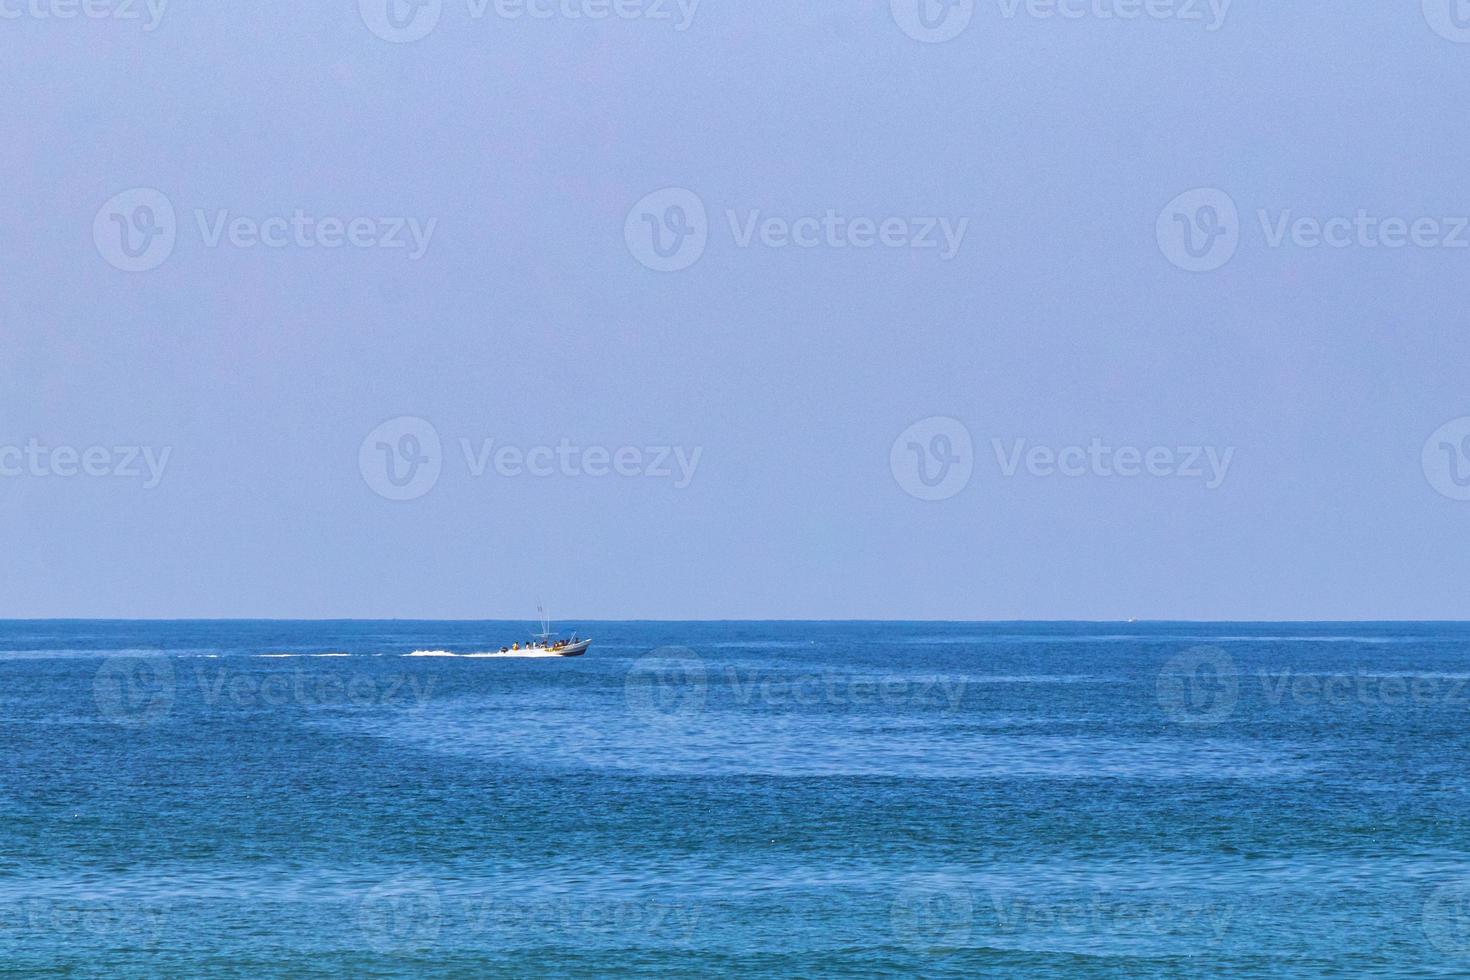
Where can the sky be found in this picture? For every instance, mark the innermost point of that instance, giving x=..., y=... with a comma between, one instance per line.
x=990, y=310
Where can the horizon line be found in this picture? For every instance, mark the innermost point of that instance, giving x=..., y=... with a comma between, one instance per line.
x=966, y=622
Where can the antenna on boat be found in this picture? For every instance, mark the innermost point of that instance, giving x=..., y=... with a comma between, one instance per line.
x=545, y=635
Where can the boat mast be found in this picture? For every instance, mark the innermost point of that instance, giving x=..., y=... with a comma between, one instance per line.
x=545, y=635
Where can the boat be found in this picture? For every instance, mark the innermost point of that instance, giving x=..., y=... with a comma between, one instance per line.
x=546, y=641
x=570, y=648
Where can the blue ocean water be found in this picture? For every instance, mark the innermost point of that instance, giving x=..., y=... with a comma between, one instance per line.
x=751, y=799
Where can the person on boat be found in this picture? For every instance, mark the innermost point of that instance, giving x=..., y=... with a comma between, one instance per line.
x=516, y=645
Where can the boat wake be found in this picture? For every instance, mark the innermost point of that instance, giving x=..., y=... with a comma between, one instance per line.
x=488, y=655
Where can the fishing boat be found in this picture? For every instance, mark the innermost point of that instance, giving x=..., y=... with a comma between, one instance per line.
x=547, y=642
x=570, y=648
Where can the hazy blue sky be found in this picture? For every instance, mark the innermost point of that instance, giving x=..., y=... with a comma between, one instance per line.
x=529, y=311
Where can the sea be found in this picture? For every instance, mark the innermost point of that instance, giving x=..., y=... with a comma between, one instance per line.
x=755, y=799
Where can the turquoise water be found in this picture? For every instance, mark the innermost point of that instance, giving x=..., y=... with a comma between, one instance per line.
x=753, y=799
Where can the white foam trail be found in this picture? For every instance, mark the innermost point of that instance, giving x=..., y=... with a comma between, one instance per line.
x=488, y=655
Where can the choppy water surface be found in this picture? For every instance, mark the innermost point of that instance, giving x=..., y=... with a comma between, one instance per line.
x=759, y=799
